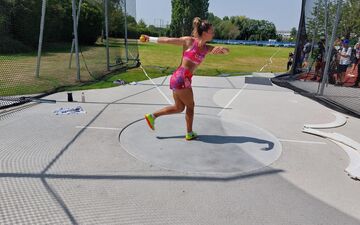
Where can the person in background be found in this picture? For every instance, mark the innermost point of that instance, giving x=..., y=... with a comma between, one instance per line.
x=344, y=61
x=319, y=59
x=306, y=53
x=357, y=63
x=337, y=44
x=290, y=61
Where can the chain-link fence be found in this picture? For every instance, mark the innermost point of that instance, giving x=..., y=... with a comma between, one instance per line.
x=326, y=59
x=49, y=44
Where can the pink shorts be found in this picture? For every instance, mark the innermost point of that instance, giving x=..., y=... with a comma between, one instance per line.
x=181, y=79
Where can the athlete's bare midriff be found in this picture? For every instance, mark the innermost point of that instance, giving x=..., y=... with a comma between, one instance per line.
x=193, y=55
x=187, y=64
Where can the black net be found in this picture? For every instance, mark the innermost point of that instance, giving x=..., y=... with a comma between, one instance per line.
x=24, y=75
x=326, y=60
x=122, y=50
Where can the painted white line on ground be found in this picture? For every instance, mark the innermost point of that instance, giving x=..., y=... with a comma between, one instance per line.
x=274, y=55
x=99, y=128
x=304, y=142
x=270, y=61
x=157, y=87
x=233, y=99
x=162, y=93
x=263, y=67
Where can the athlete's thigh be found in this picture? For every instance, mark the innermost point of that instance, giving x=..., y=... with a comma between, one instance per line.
x=178, y=102
x=186, y=96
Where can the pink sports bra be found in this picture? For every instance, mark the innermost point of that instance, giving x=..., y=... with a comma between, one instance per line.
x=195, y=54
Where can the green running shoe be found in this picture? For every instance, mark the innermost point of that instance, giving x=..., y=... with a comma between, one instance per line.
x=191, y=136
x=150, y=119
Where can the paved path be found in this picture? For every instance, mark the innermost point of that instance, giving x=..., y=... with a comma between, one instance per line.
x=251, y=164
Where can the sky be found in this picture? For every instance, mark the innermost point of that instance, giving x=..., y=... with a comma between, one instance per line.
x=285, y=14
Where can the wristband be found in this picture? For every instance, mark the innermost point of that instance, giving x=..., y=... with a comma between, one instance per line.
x=153, y=39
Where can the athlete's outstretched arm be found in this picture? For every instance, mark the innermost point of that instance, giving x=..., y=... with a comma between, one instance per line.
x=166, y=40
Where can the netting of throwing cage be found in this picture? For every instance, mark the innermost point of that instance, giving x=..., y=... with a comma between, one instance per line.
x=327, y=53
x=48, y=44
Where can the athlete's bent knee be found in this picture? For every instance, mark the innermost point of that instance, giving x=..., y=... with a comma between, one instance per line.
x=180, y=109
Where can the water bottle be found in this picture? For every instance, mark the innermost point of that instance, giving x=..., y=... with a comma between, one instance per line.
x=82, y=97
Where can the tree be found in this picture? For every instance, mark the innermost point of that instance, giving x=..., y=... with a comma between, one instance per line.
x=215, y=21
x=116, y=20
x=142, y=24
x=315, y=19
x=242, y=23
x=229, y=30
x=7, y=44
x=25, y=21
x=293, y=34
x=243, y=28
x=4, y=16
x=177, y=22
x=350, y=20
x=90, y=23
x=183, y=13
x=266, y=30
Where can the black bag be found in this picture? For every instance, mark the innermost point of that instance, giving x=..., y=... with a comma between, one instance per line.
x=353, y=58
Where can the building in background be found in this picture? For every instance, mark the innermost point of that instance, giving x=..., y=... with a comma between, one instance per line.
x=284, y=34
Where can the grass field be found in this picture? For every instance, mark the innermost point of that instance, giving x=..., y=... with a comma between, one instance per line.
x=241, y=58
x=161, y=60
x=17, y=72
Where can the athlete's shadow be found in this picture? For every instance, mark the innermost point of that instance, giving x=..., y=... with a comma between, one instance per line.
x=218, y=139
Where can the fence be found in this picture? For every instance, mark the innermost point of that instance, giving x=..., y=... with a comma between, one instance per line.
x=326, y=60
x=46, y=45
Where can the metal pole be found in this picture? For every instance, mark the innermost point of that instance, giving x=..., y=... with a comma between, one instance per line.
x=76, y=40
x=106, y=2
x=329, y=48
x=73, y=41
x=326, y=27
x=326, y=41
x=312, y=48
x=126, y=34
x=317, y=11
x=299, y=41
x=42, y=23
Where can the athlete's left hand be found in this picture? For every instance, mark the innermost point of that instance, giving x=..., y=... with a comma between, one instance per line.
x=220, y=50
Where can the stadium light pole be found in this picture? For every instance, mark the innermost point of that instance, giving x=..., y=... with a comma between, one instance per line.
x=329, y=48
x=326, y=26
x=317, y=12
x=41, y=35
x=76, y=40
x=126, y=33
x=73, y=41
x=106, y=8
x=326, y=15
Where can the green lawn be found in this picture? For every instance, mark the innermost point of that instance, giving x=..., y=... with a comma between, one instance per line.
x=240, y=59
x=17, y=72
x=161, y=60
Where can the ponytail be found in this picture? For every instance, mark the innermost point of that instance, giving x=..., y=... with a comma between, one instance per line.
x=199, y=26
x=196, y=27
